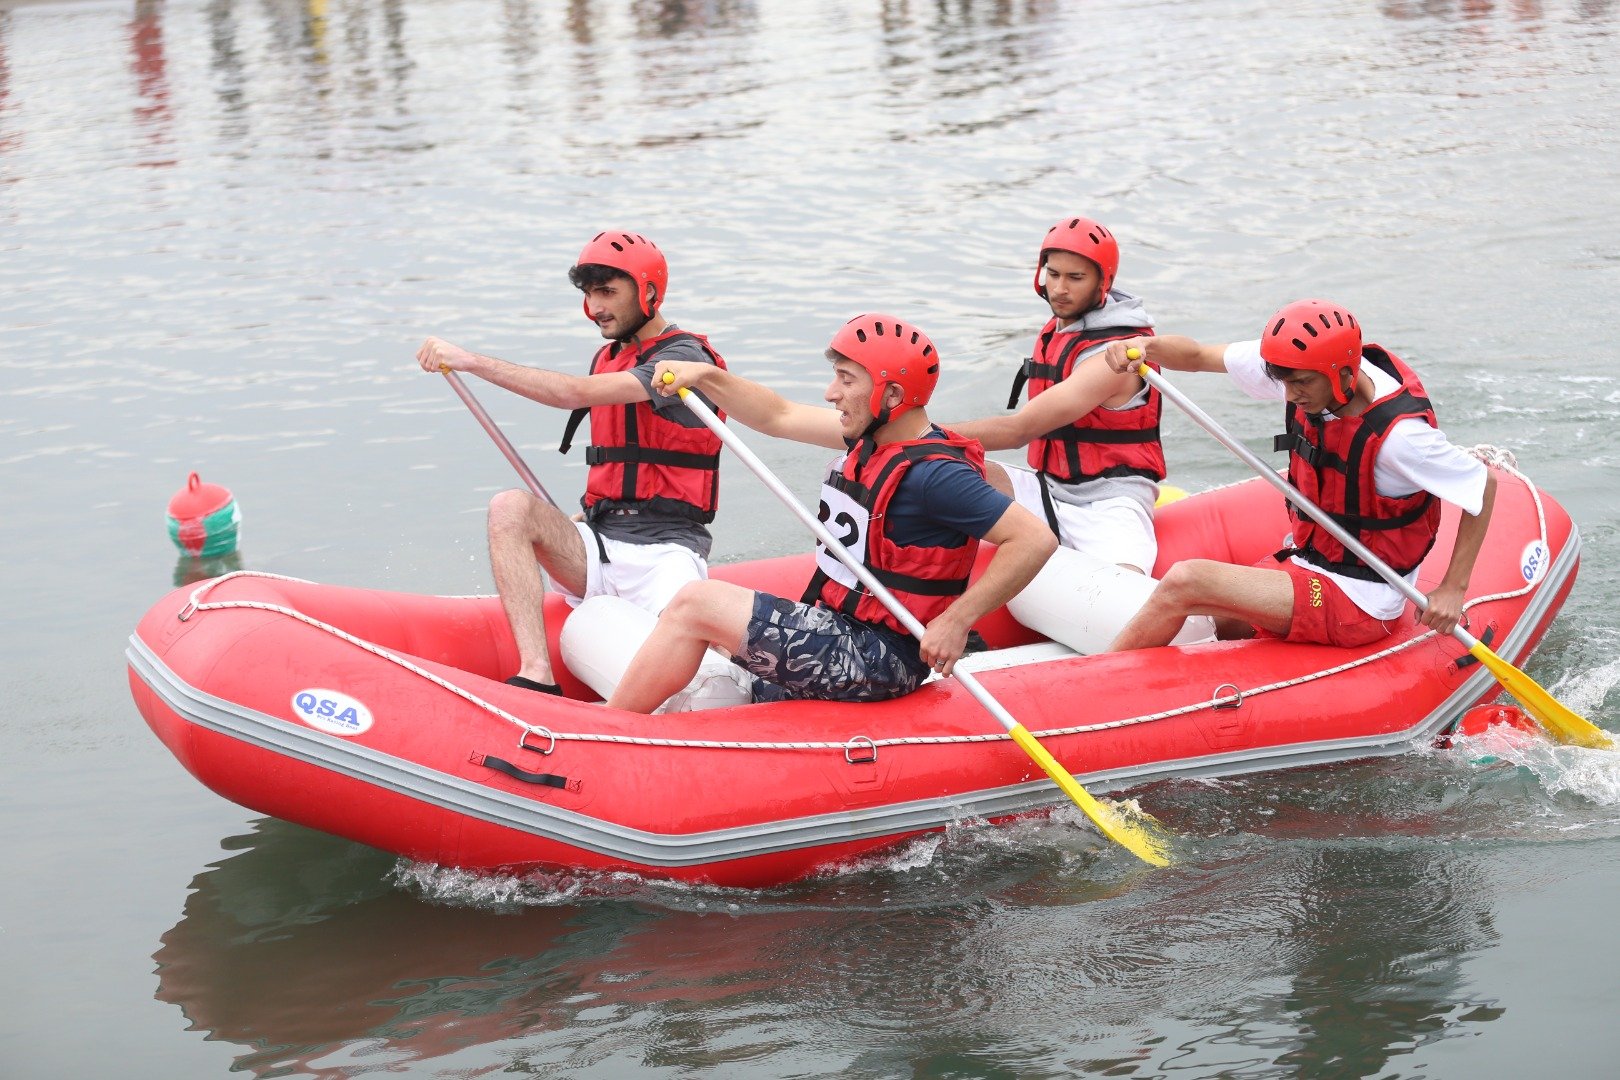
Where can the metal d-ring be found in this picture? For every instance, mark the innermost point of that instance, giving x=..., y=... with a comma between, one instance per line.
x=859, y=740
x=1215, y=701
x=539, y=729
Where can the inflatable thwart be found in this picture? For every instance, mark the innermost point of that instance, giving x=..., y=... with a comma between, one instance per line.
x=604, y=634
x=382, y=717
x=1076, y=600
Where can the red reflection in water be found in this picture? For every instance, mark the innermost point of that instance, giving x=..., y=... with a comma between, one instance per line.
x=9, y=140
x=152, y=114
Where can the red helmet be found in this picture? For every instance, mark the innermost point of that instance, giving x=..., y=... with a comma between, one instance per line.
x=1086, y=238
x=1314, y=335
x=892, y=352
x=632, y=254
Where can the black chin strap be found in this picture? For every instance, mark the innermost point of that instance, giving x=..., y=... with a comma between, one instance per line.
x=867, y=443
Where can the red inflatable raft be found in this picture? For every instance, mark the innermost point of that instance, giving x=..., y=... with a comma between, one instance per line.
x=381, y=717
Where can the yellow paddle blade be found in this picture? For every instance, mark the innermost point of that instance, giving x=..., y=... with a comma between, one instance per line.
x=1169, y=493
x=1137, y=838
x=1558, y=720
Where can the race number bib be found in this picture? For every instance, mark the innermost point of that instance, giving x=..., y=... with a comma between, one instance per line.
x=848, y=521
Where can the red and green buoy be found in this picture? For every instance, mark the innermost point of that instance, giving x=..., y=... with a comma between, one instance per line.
x=204, y=519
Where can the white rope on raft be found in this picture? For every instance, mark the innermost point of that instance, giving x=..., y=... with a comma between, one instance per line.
x=1490, y=455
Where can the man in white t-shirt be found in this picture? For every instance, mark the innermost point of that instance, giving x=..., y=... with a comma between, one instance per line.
x=1363, y=445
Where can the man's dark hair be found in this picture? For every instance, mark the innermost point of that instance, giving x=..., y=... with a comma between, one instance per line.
x=591, y=275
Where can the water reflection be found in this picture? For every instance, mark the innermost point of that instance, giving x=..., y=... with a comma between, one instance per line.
x=1382, y=940
x=1524, y=12
x=1352, y=927
x=520, y=39
x=669, y=18
x=227, y=64
x=152, y=114
x=9, y=140
x=298, y=30
x=298, y=947
x=932, y=52
x=190, y=569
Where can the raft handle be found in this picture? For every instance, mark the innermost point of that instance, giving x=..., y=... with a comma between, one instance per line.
x=1236, y=698
x=860, y=740
x=1469, y=659
x=523, y=739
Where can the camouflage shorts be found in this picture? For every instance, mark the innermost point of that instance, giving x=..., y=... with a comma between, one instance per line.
x=802, y=651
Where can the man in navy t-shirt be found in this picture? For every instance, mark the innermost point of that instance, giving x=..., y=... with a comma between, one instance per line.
x=907, y=499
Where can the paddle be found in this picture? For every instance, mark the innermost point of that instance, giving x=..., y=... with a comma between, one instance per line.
x=503, y=443
x=496, y=434
x=1133, y=837
x=1559, y=721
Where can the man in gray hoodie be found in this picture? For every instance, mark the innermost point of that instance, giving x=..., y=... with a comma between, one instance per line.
x=1093, y=433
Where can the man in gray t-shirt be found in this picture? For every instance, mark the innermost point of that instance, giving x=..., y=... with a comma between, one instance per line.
x=654, y=468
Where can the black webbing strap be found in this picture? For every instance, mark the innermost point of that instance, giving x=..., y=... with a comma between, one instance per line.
x=1103, y=436
x=643, y=455
x=601, y=545
x=1046, y=505
x=575, y=418
x=1028, y=370
x=1469, y=658
x=1075, y=341
x=489, y=761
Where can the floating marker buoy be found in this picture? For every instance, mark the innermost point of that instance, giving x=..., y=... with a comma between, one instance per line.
x=1483, y=718
x=203, y=519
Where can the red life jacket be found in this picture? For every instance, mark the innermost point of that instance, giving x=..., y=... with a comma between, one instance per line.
x=1331, y=463
x=854, y=507
x=637, y=458
x=1104, y=442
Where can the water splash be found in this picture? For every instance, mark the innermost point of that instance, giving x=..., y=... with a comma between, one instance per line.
x=1586, y=691
x=1590, y=775
x=466, y=888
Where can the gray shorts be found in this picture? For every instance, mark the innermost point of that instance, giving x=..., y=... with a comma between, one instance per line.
x=803, y=651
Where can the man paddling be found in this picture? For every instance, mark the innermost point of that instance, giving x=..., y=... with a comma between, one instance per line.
x=1093, y=433
x=654, y=468
x=907, y=498
x=1363, y=444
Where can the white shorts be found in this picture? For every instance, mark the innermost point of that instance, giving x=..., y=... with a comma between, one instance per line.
x=1115, y=530
x=647, y=575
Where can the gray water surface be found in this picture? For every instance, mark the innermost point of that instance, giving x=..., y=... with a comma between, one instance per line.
x=225, y=226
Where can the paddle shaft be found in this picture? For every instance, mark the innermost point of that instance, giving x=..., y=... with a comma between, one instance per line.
x=1139, y=844
x=811, y=522
x=501, y=441
x=1293, y=495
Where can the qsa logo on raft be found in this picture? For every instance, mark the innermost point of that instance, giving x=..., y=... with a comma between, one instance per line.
x=332, y=712
x=1533, y=562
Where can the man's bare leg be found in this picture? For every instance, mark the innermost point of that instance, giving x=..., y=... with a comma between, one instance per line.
x=703, y=613
x=524, y=533
x=1258, y=596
